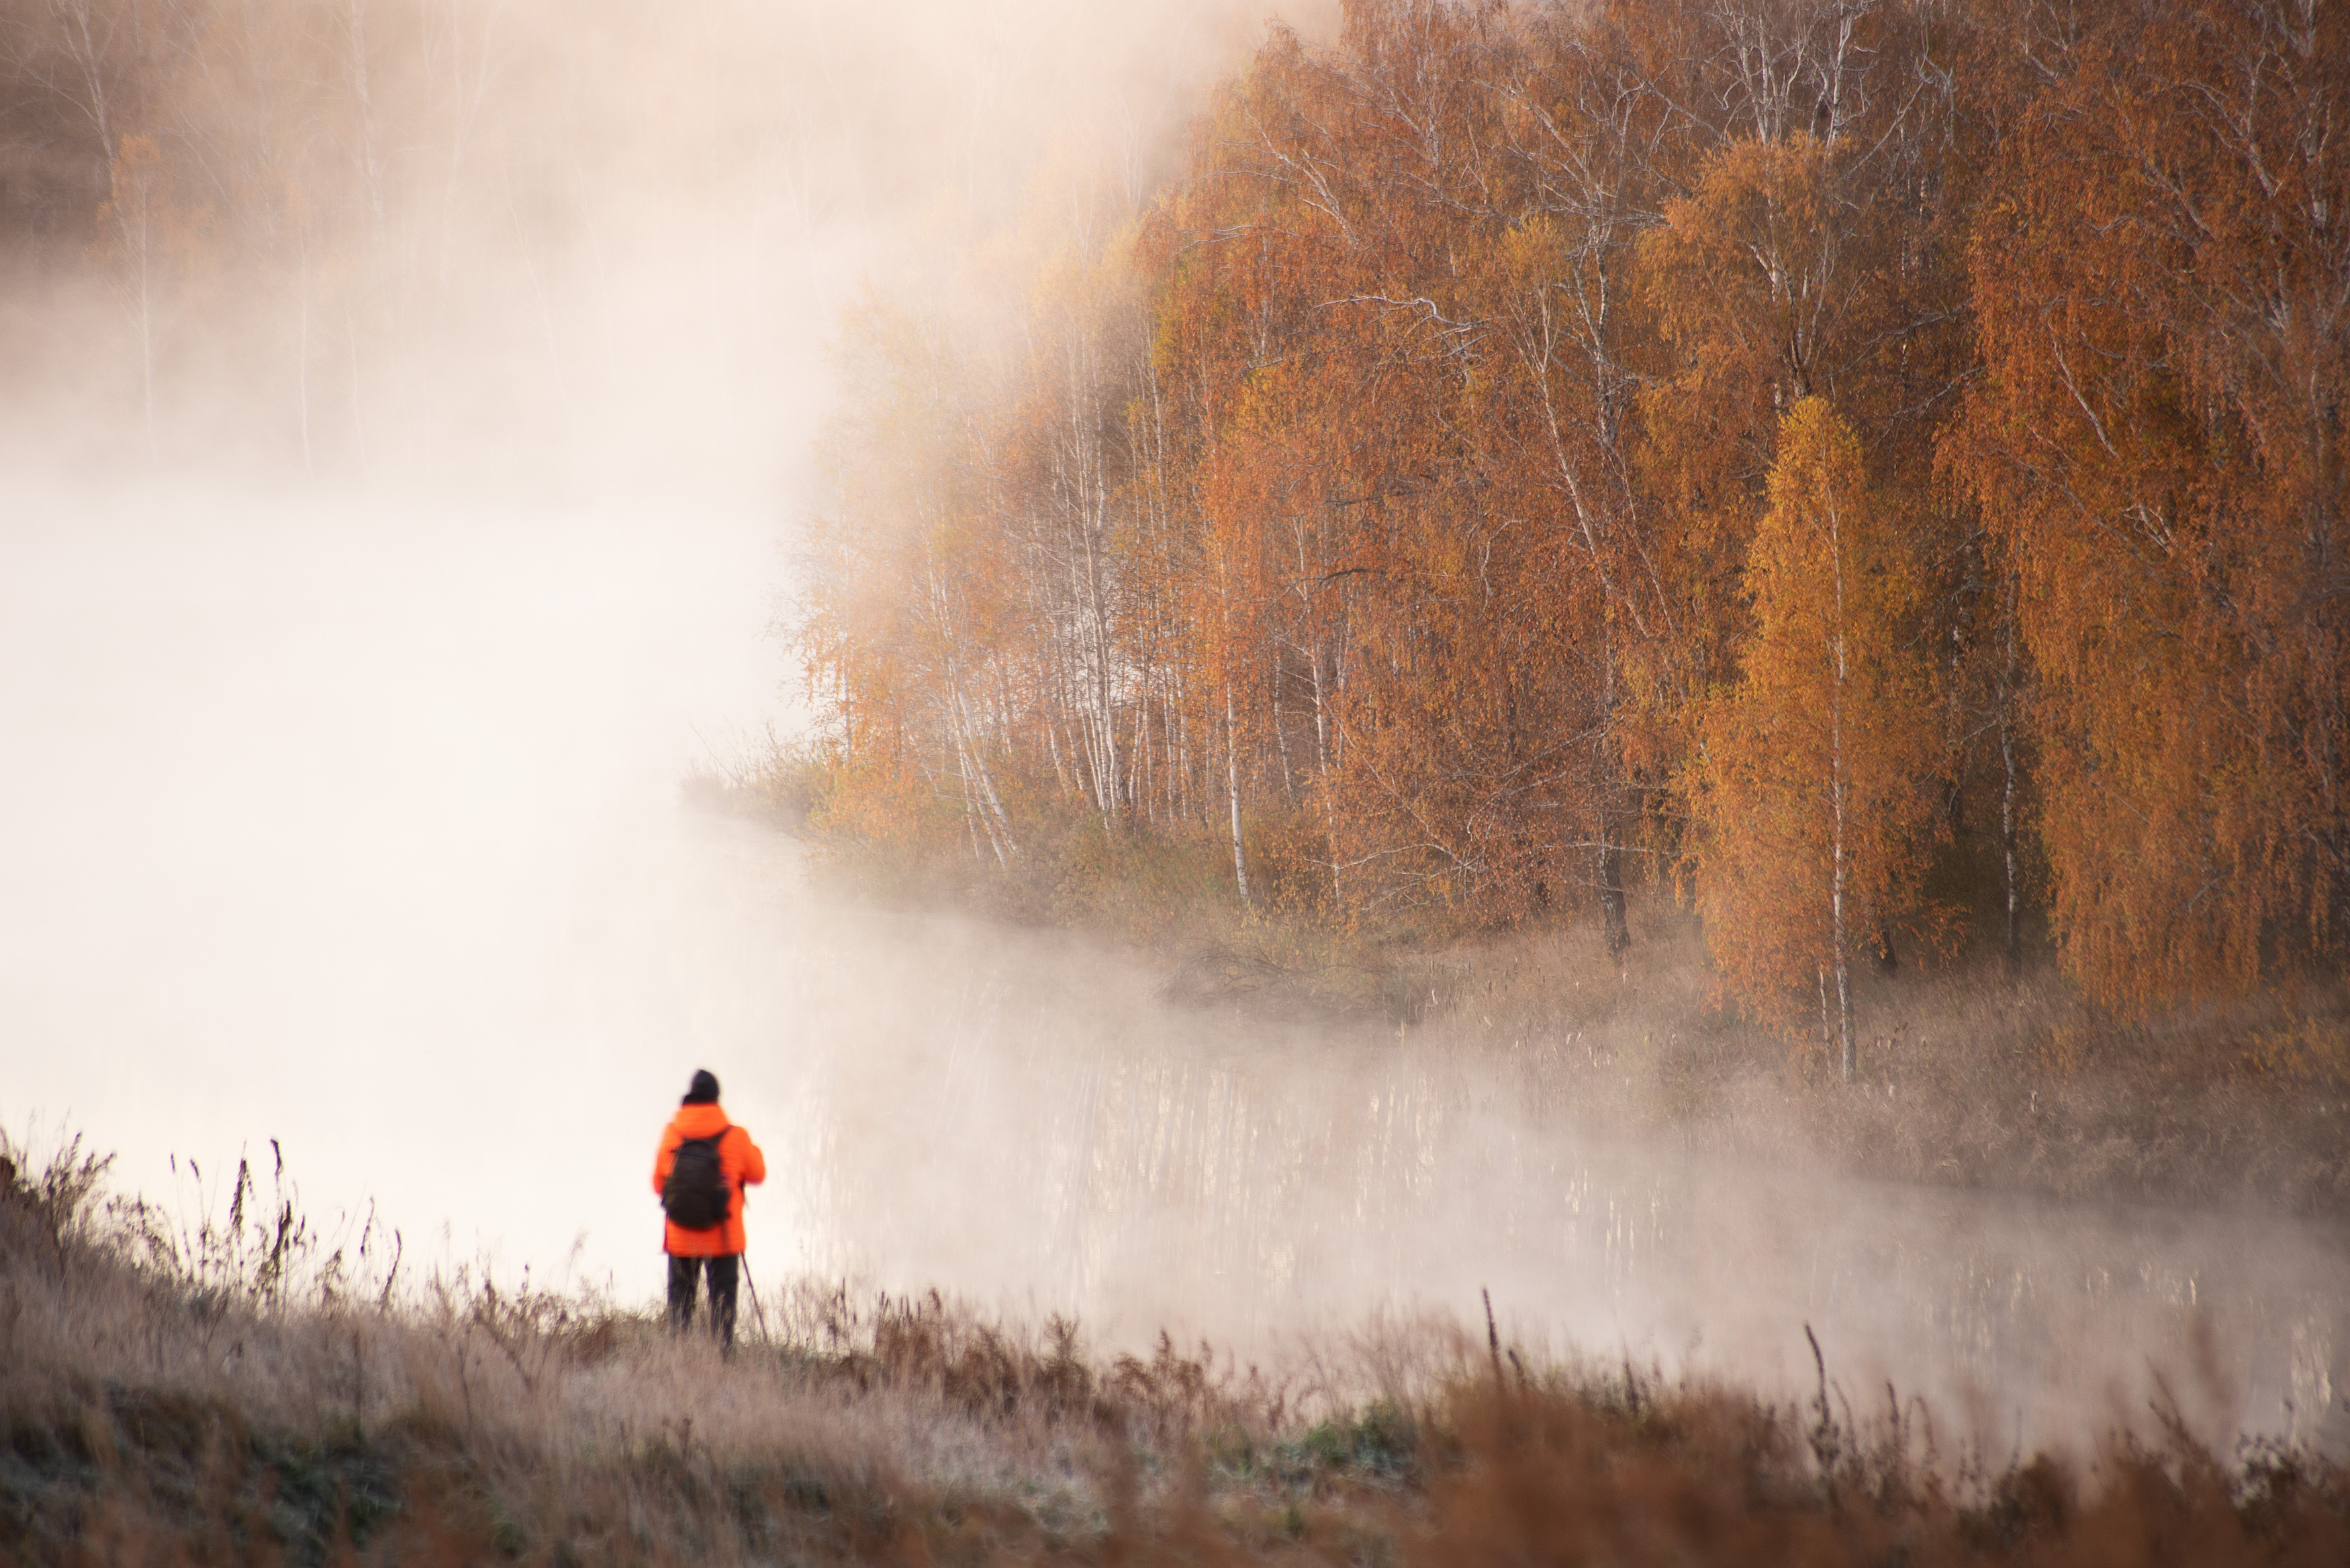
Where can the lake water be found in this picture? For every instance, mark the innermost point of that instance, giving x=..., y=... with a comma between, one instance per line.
x=1018, y=1116
x=364, y=835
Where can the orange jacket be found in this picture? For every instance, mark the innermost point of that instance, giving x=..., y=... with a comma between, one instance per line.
x=740, y=1163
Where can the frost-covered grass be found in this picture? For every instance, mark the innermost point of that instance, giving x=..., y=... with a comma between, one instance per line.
x=248, y=1390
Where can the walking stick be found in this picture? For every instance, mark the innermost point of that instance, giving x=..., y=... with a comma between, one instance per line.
x=757, y=1311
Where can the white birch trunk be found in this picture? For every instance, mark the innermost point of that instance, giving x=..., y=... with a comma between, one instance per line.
x=1232, y=785
x=1836, y=806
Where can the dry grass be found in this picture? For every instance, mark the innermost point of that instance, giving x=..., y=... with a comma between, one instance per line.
x=1969, y=1078
x=256, y=1392
x=764, y=779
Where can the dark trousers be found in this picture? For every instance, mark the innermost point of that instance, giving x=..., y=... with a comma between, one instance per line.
x=685, y=1274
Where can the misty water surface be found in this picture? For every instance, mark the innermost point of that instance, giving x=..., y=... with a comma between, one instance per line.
x=360, y=831
x=1018, y=1116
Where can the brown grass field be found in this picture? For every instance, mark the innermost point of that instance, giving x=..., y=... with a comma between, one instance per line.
x=248, y=1391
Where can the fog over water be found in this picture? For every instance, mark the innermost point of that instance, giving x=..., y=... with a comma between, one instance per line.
x=349, y=830
x=347, y=814
x=375, y=848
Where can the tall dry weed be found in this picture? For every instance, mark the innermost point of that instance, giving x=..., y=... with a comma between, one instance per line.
x=241, y=1402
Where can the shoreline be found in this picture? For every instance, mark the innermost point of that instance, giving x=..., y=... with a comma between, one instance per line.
x=242, y=1413
x=1969, y=1080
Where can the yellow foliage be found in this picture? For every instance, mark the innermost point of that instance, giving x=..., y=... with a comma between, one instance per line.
x=1812, y=796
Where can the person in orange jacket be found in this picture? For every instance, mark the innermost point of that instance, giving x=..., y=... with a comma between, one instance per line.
x=699, y=1129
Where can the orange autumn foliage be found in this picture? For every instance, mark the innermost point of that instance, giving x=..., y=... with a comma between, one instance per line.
x=2162, y=283
x=1813, y=793
x=1430, y=505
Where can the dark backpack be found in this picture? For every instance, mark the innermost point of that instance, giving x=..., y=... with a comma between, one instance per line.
x=694, y=1196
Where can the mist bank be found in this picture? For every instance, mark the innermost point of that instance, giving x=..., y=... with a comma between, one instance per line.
x=512, y=247
x=475, y=1057
x=402, y=401
x=348, y=823
x=1526, y=455
x=1966, y=1074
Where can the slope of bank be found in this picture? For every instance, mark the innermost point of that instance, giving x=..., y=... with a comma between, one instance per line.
x=244, y=1394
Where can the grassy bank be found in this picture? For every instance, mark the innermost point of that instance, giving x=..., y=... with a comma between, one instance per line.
x=1968, y=1078
x=254, y=1392
x=1973, y=1074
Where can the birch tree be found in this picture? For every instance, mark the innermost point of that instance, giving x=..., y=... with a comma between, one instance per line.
x=2162, y=449
x=1813, y=794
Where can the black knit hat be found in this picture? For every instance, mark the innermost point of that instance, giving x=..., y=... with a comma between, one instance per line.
x=705, y=1088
